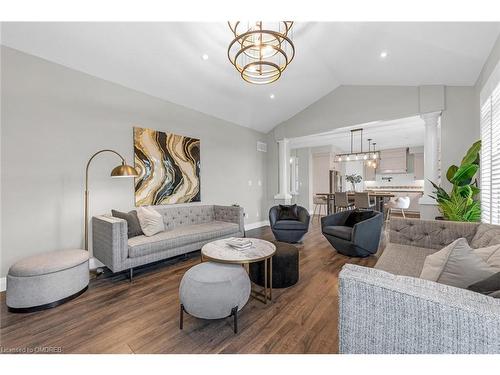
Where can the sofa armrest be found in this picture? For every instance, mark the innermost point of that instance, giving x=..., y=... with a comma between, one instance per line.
x=230, y=214
x=110, y=241
x=432, y=234
x=304, y=216
x=366, y=234
x=384, y=313
x=273, y=215
x=335, y=219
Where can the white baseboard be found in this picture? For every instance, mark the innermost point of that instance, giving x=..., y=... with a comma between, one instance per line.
x=257, y=224
x=3, y=284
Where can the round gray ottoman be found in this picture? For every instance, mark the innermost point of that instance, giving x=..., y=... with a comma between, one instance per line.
x=46, y=280
x=214, y=291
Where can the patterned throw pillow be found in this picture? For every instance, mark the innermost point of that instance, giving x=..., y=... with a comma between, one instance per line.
x=151, y=221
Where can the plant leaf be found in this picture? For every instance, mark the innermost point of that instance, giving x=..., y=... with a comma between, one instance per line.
x=475, y=190
x=472, y=155
x=465, y=191
x=464, y=174
x=451, y=172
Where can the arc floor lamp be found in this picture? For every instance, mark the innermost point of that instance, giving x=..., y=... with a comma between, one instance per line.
x=123, y=170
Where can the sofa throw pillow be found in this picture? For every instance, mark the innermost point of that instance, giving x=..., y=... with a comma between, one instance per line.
x=150, y=220
x=456, y=265
x=495, y=294
x=491, y=255
x=288, y=212
x=133, y=225
x=357, y=216
x=488, y=286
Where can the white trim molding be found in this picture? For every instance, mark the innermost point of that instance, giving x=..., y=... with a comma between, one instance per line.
x=283, y=168
x=257, y=224
x=94, y=263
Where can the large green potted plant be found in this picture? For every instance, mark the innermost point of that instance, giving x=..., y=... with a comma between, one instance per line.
x=461, y=203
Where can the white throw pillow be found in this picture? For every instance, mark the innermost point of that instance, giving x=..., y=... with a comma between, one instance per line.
x=151, y=221
x=456, y=265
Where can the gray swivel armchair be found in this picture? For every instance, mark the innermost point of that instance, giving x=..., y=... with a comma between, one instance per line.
x=353, y=233
x=286, y=230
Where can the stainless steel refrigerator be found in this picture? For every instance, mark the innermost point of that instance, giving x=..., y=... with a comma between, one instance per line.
x=335, y=181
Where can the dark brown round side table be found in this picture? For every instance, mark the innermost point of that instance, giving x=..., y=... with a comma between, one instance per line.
x=285, y=267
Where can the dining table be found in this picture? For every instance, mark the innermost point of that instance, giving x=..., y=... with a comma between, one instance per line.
x=379, y=196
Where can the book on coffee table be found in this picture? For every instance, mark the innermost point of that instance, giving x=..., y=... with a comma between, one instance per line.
x=239, y=243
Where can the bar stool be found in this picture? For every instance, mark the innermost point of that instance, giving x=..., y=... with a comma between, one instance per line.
x=362, y=201
x=342, y=201
x=319, y=201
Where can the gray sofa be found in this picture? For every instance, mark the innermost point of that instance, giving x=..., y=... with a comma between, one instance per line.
x=388, y=309
x=188, y=228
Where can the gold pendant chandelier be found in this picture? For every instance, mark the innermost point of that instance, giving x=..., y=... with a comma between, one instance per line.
x=261, y=51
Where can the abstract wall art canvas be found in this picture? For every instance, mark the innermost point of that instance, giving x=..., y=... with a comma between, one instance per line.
x=168, y=166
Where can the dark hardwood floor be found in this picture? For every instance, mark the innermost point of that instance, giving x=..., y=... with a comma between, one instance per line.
x=115, y=316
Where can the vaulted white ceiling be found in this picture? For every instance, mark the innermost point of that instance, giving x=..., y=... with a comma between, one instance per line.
x=164, y=60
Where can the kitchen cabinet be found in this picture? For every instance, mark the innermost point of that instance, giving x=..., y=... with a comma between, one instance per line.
x=418, y=165
x=393, y=161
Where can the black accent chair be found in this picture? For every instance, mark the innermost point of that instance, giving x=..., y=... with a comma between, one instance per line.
x=353, y=233
x=291, y=231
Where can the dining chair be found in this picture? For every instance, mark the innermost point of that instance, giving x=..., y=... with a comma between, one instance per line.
x=319, y=202
x=399, y=204
x=342, y=201
x=362, y=200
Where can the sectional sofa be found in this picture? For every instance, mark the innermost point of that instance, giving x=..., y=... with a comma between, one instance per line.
x=389, y=309
x=188, y=228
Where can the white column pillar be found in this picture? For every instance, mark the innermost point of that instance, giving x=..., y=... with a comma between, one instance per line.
x=428, y=206
x=283, y=168
x=293, y=175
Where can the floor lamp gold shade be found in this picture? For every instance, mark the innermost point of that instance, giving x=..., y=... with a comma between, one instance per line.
x=122, y=170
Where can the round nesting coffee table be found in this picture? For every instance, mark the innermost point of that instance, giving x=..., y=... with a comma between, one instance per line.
x=261, y=250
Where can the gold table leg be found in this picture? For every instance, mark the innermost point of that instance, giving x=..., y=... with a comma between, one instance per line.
x=271, y=279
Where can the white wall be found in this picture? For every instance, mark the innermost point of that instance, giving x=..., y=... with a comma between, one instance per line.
x=321, y=174
x=459, y=127
x=53, y=118
x=353, y=105
x=304, y=194
x=490, y=67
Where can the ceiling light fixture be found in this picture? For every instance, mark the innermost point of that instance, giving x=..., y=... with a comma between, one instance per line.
x=204, y=56
x=272, y=96
x=383, y=54
x=261, y=51
x=360, y=155
x=372, y=155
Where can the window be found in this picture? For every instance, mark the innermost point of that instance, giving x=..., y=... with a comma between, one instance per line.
x=490, y=158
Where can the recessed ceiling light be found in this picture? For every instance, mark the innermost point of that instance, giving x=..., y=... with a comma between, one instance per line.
x=383, y=54
x=204, y=56
x=272, y=96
